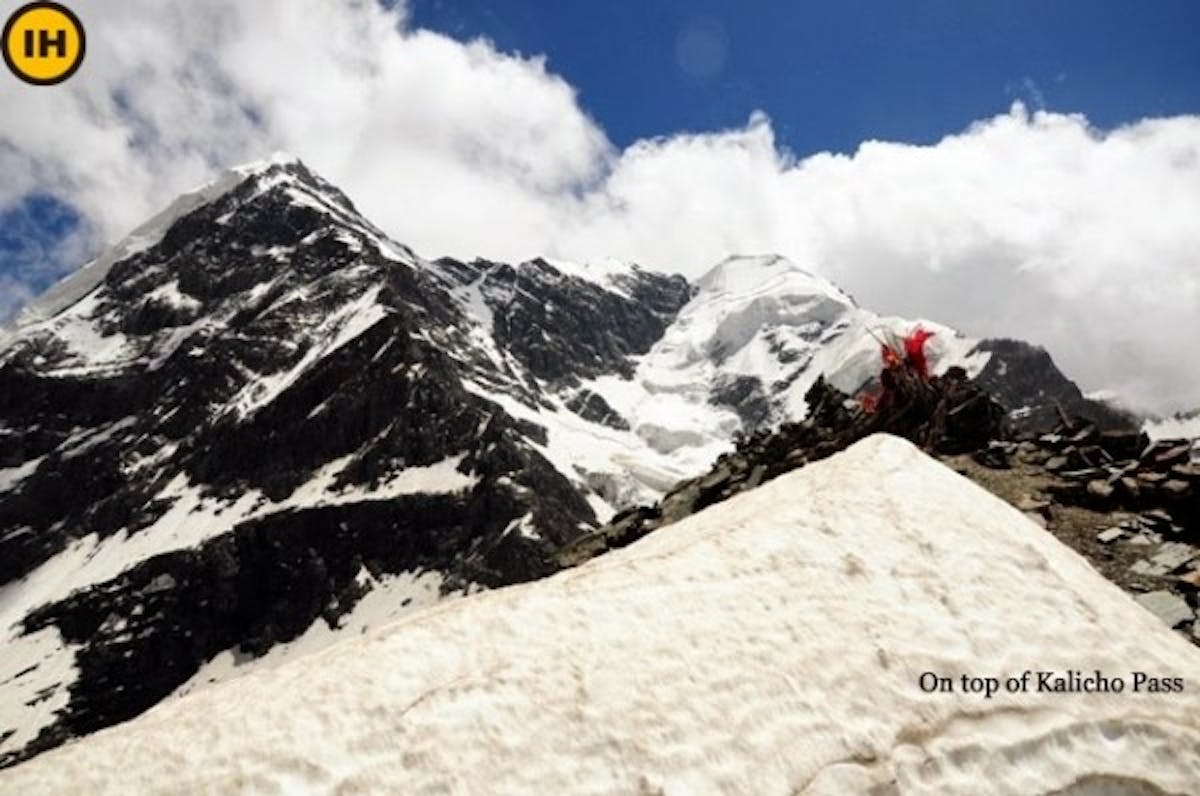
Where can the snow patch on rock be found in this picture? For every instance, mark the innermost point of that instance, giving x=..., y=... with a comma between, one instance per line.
x=1174, y=428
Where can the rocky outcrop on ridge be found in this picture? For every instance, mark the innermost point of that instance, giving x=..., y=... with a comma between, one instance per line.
x=945, y=414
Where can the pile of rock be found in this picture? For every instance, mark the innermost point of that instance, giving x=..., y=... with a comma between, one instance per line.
x=1165, y=573
x=1132, y=507
x=1114, y=470
x=1152, y=528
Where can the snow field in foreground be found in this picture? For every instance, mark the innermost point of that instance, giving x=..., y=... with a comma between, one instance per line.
x=770, y=644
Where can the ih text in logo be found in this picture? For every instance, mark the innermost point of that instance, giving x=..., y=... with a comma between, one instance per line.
x=43, y=43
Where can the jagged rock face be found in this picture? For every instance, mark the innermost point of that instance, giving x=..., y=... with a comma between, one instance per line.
x=560, y=328
x=258, y=409
x=141, y=635
x=240, y=367
x=1025, y=379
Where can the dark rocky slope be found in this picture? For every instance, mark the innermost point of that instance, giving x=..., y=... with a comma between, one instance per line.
x=270, y=334
x=1024, y=379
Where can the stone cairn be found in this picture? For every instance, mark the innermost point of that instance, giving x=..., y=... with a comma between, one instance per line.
x=944, y=414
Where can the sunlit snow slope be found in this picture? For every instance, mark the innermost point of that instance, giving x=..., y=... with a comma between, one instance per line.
x=746, y=349
x=770, y=644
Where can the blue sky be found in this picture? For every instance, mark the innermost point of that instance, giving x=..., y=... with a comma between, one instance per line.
x=1073, y=228
x=832, y=74
x=29, y=236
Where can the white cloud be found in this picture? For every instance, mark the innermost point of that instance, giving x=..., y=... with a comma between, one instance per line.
x=13, y=293
x=1026, y=225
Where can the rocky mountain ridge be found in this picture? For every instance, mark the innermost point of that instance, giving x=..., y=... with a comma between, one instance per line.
x=232, y=429
x=258, y=411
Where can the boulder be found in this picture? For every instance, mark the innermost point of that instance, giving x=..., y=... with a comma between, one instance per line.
x=1165, y=455
x=1175, y=488
x=1123, y=443
x=1172, y=609
x=1173, y=555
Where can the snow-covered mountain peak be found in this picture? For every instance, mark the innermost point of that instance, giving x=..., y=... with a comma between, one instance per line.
x=265, y=232
x=241, y=185
x=303, y=186
x=760, y=330
x=753, y=276
x=747, y=298
x=756, y=334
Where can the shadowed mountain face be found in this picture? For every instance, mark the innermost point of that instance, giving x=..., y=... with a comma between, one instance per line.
x=229, y=432
x=217, y=444
x=1025, y=379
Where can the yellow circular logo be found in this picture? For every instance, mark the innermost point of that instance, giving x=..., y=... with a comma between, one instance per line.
x=44, y=43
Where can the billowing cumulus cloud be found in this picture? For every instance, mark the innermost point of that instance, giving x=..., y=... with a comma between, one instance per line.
x=1027, y=224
